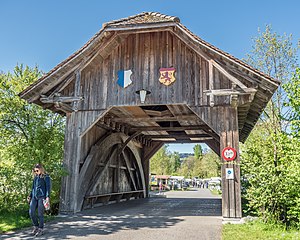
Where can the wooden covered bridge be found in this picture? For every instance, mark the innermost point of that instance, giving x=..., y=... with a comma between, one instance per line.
x=140, y=82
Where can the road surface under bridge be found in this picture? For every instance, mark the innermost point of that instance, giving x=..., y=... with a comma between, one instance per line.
x=194, y=214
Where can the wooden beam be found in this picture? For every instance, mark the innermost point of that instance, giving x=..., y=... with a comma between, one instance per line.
x=159, y=129
x=214, y=145
x=229, y=76
x=188, y=136
x=157, y=119
x=109, y=38
x=211, y=82
x=101, y=170
x=127, y=163
x=60, y=99
x=157, y=113
x=152, y=150
x=63, y=107
x=185, y=141
x=77, y=88
x=140, y=28
x=190, y=42
x=63, y=85
x=128, y=140
x=227, y=92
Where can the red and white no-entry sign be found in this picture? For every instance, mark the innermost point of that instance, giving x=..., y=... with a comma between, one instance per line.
x=229, y=154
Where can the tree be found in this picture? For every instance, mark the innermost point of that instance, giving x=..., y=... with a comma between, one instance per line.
x=175, y=162
x=276, y=56
x=28, y=135
x=207, y=166
x=268, y=164
x=166, y=163
x=198, y=153
x=293, y=93
x=160, y=163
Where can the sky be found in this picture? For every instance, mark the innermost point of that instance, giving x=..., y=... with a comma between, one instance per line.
x=44, y=33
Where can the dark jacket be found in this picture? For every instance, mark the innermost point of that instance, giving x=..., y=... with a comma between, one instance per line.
x=41, y=187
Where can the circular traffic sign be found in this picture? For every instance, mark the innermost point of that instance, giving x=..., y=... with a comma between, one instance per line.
x=229, y=154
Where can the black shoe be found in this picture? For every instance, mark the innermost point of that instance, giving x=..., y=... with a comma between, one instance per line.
x=34, y=230
x=39, y=232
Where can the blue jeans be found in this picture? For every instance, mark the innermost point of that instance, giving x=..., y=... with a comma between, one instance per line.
x=38, y=220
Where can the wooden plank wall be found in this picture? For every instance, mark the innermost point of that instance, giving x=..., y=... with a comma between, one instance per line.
x=144, y=54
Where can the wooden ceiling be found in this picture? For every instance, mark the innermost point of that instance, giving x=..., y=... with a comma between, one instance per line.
x=160, y=123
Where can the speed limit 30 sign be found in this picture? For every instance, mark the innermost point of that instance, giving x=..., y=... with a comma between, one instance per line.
x=229, y=154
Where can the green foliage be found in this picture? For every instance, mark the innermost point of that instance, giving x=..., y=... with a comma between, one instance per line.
x=276, y=56
x=187, y=167
x=270, y=161
x=204, y=166
x=293, y=93
x=273, y=54
x=272, y=189
x=198, y=153
x=29, y=135
x=207, y=166
x=17, y=219
x=165, y=162
x=257, y=230
x=160, y=162
x=175, y=161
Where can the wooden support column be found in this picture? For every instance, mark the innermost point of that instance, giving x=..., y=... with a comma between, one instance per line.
x=68, y=195
x=146, y=167
x=211, y=82
x=69, y=189
x=231, y=188
x=116, y=177
x=147, y=153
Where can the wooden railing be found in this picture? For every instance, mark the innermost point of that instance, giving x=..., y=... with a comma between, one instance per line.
x=96, y=200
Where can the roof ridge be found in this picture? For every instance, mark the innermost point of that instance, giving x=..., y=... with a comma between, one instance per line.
x=156, y=14
x=173, y=18
x=122, y=19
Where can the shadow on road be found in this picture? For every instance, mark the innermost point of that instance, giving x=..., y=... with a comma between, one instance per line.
x=150, y=213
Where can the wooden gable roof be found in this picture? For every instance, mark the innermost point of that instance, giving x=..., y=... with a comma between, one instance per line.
x=109, y=36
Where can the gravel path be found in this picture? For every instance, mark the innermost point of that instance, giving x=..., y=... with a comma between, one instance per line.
x=194, y=214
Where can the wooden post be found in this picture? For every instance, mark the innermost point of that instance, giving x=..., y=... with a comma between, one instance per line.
x=147, y=153
x=231, y=188
x=211, y=82
x=68, y=196
x=69, y=192
x=146, y=167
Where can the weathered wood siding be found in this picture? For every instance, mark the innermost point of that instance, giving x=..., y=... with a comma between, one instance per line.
x=88, y=140
x=144, y=54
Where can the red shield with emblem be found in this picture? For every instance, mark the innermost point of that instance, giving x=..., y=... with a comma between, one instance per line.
x=167, y=76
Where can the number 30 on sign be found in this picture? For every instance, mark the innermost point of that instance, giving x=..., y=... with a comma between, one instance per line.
x=229, y=154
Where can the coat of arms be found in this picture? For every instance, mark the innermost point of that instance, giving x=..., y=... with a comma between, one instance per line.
x=124, y=78
x=167, y=76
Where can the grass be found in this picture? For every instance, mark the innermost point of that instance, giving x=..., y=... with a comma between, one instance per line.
x=257, y=230
x=216, y=192
x=15, y=220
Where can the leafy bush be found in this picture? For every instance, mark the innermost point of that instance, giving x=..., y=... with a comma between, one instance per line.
x=29, y=135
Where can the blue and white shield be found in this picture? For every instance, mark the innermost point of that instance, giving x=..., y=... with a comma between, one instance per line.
x=124, y=78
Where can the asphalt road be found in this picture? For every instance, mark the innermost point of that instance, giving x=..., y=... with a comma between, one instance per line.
x=176, y=215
